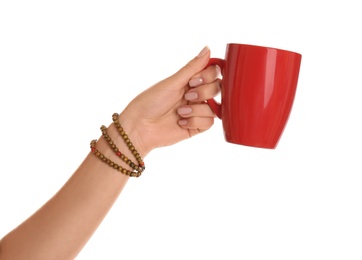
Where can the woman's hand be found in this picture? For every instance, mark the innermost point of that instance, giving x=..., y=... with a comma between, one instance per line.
x=173, y=109
x=168, y=112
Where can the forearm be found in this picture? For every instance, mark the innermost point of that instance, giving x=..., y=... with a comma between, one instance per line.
x=61, y=228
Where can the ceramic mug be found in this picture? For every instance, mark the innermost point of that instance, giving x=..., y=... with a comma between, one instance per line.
x=257, y=93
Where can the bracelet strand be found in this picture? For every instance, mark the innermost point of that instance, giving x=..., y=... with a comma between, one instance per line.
x=127, y=141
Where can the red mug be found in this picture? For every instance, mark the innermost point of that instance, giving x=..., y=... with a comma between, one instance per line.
x=258, y=87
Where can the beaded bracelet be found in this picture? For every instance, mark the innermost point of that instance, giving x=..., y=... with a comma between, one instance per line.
x=137, y=169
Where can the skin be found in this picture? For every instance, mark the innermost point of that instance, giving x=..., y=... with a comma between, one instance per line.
x=168, y=112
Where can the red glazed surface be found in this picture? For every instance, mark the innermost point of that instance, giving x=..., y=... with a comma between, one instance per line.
x=257, y=93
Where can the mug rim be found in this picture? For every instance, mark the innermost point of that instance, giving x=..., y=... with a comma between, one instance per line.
x=261, y=46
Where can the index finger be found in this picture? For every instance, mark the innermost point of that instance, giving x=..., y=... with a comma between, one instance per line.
x=208, y=75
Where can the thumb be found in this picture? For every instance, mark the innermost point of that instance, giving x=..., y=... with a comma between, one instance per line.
x=194, y=66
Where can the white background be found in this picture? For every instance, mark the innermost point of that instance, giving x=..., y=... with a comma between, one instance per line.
x=66, y=66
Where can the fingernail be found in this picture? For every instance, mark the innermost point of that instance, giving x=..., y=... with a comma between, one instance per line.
x=182, y=122
x=184, y=110
x=195, y=82
x=191, y=95
x=203, y=51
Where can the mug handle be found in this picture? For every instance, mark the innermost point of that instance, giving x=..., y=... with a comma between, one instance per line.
x=213, y=104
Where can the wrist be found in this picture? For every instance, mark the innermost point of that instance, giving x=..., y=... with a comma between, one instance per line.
x=132, y=129
x=116, y=148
